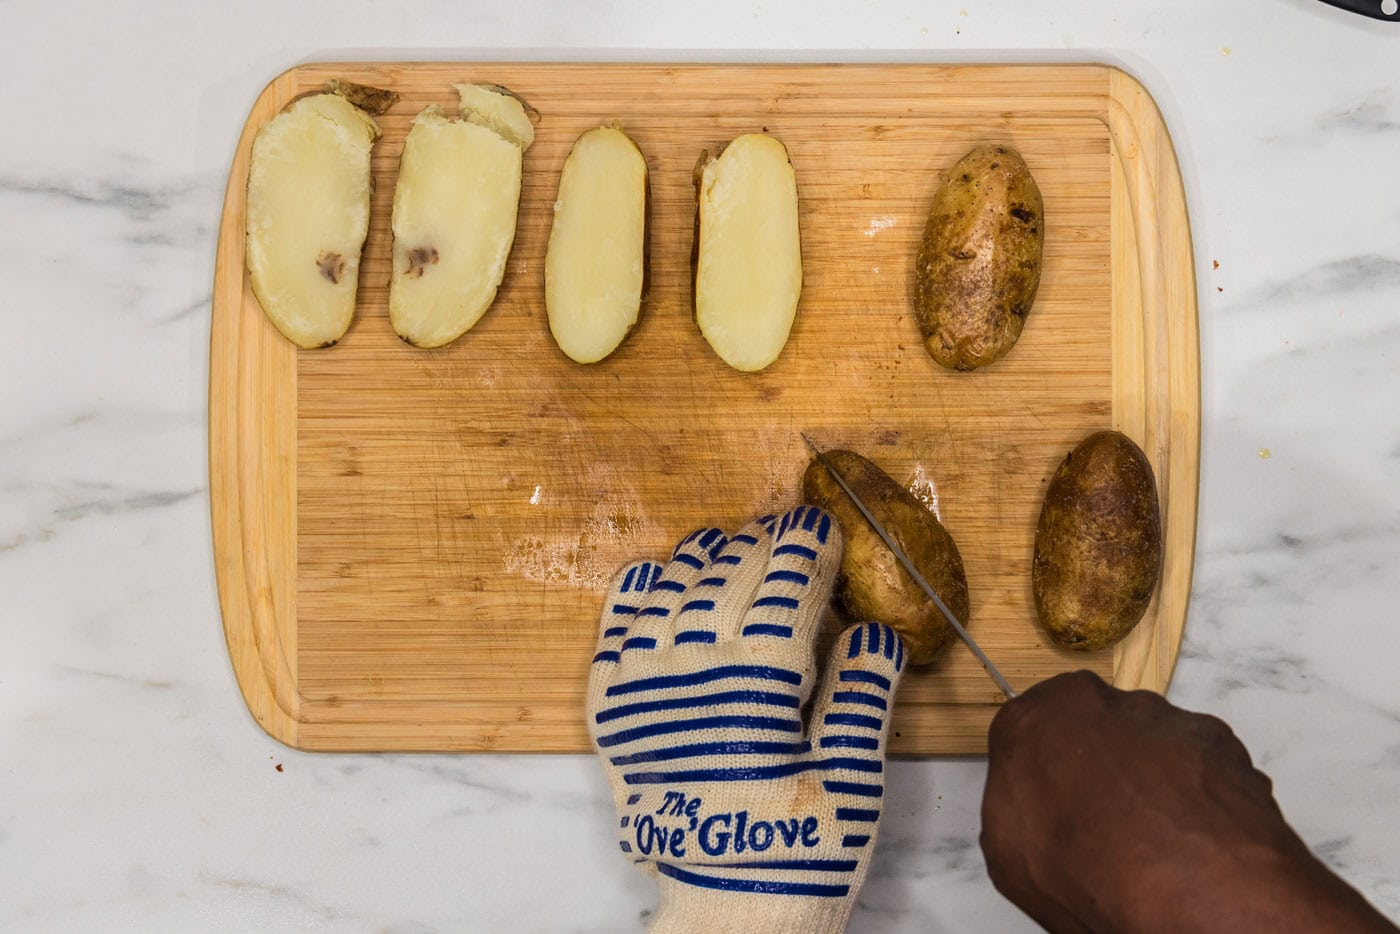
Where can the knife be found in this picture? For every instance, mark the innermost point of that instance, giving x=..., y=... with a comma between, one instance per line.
x=913, y=572
x=1376, y=9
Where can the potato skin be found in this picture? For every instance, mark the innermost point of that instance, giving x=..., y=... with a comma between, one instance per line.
x=1098, y=546
x=373, y=101
x=873, y=585
x=978, y=266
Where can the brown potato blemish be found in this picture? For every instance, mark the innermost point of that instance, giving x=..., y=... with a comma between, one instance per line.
x=332, y=266
x=420, y=258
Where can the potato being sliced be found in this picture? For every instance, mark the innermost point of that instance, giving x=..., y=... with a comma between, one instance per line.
x=873, y=585
x=455, y=207
x=595, y=267
x=308, y=213
x=748, y=265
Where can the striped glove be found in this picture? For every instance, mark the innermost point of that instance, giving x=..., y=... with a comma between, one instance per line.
x=750, y=821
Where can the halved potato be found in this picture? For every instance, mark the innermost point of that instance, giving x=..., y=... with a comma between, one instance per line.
x=308, y=213
x=595, y=267
x=748, y=258
x=455, y=207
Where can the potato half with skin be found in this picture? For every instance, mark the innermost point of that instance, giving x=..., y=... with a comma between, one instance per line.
x=308, y=214
x=748, y=251
x=978, y=266
x=455, y=206
x=595, y=267
x=1098, y=546
x=873, y=584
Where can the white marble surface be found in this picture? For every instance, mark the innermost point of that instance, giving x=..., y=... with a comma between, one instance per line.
x=137, y=794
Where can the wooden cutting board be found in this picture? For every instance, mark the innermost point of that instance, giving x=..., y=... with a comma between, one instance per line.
x=412, y=545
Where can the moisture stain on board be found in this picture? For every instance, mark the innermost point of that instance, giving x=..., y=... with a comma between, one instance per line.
x=586, y=557
x=924, y=489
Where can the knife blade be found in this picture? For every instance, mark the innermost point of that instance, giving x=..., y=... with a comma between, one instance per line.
x=1386, y=10
x=903, y=559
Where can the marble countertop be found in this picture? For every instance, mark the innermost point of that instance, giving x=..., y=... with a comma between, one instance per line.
x=137, y=793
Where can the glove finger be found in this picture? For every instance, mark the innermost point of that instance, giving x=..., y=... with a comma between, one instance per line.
x=850, y=720
x=655, y=622
x=626, y=594
x=716, y=602
x=797, y=583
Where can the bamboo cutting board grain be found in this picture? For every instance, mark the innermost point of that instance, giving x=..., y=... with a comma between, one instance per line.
x=412, y=545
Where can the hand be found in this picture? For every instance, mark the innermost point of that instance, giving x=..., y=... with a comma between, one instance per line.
x=1108, y=810
x=694, y=705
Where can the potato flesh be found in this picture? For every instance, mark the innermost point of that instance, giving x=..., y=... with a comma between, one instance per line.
x=308, y=214
x=455, y=206
x=497, y=111
x=594, y=268
x=748, y=275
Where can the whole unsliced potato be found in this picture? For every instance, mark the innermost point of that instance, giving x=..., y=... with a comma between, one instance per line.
x=978, y=266
x=1098, y=547
x=872, y=584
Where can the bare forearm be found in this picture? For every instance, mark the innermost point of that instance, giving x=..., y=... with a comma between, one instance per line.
x=1115, y=811
x=1290, y=895
x=1281, y=888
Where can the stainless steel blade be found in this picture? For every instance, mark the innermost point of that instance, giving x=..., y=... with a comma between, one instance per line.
x=913, y=572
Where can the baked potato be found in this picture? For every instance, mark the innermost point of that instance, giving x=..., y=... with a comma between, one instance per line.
x=1098, y=545
x=978, y=266
x=595, y=266
x=308, y=210
x=455, y=206
x=748, y=251
x=873, y=585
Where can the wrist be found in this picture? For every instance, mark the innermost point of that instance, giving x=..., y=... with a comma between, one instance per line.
x=1281, y=888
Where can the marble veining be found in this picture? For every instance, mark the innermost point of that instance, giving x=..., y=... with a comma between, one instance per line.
x=1375, y=113
x=137, y=794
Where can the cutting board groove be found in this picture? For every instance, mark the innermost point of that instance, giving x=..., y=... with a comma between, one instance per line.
x=411, y=545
